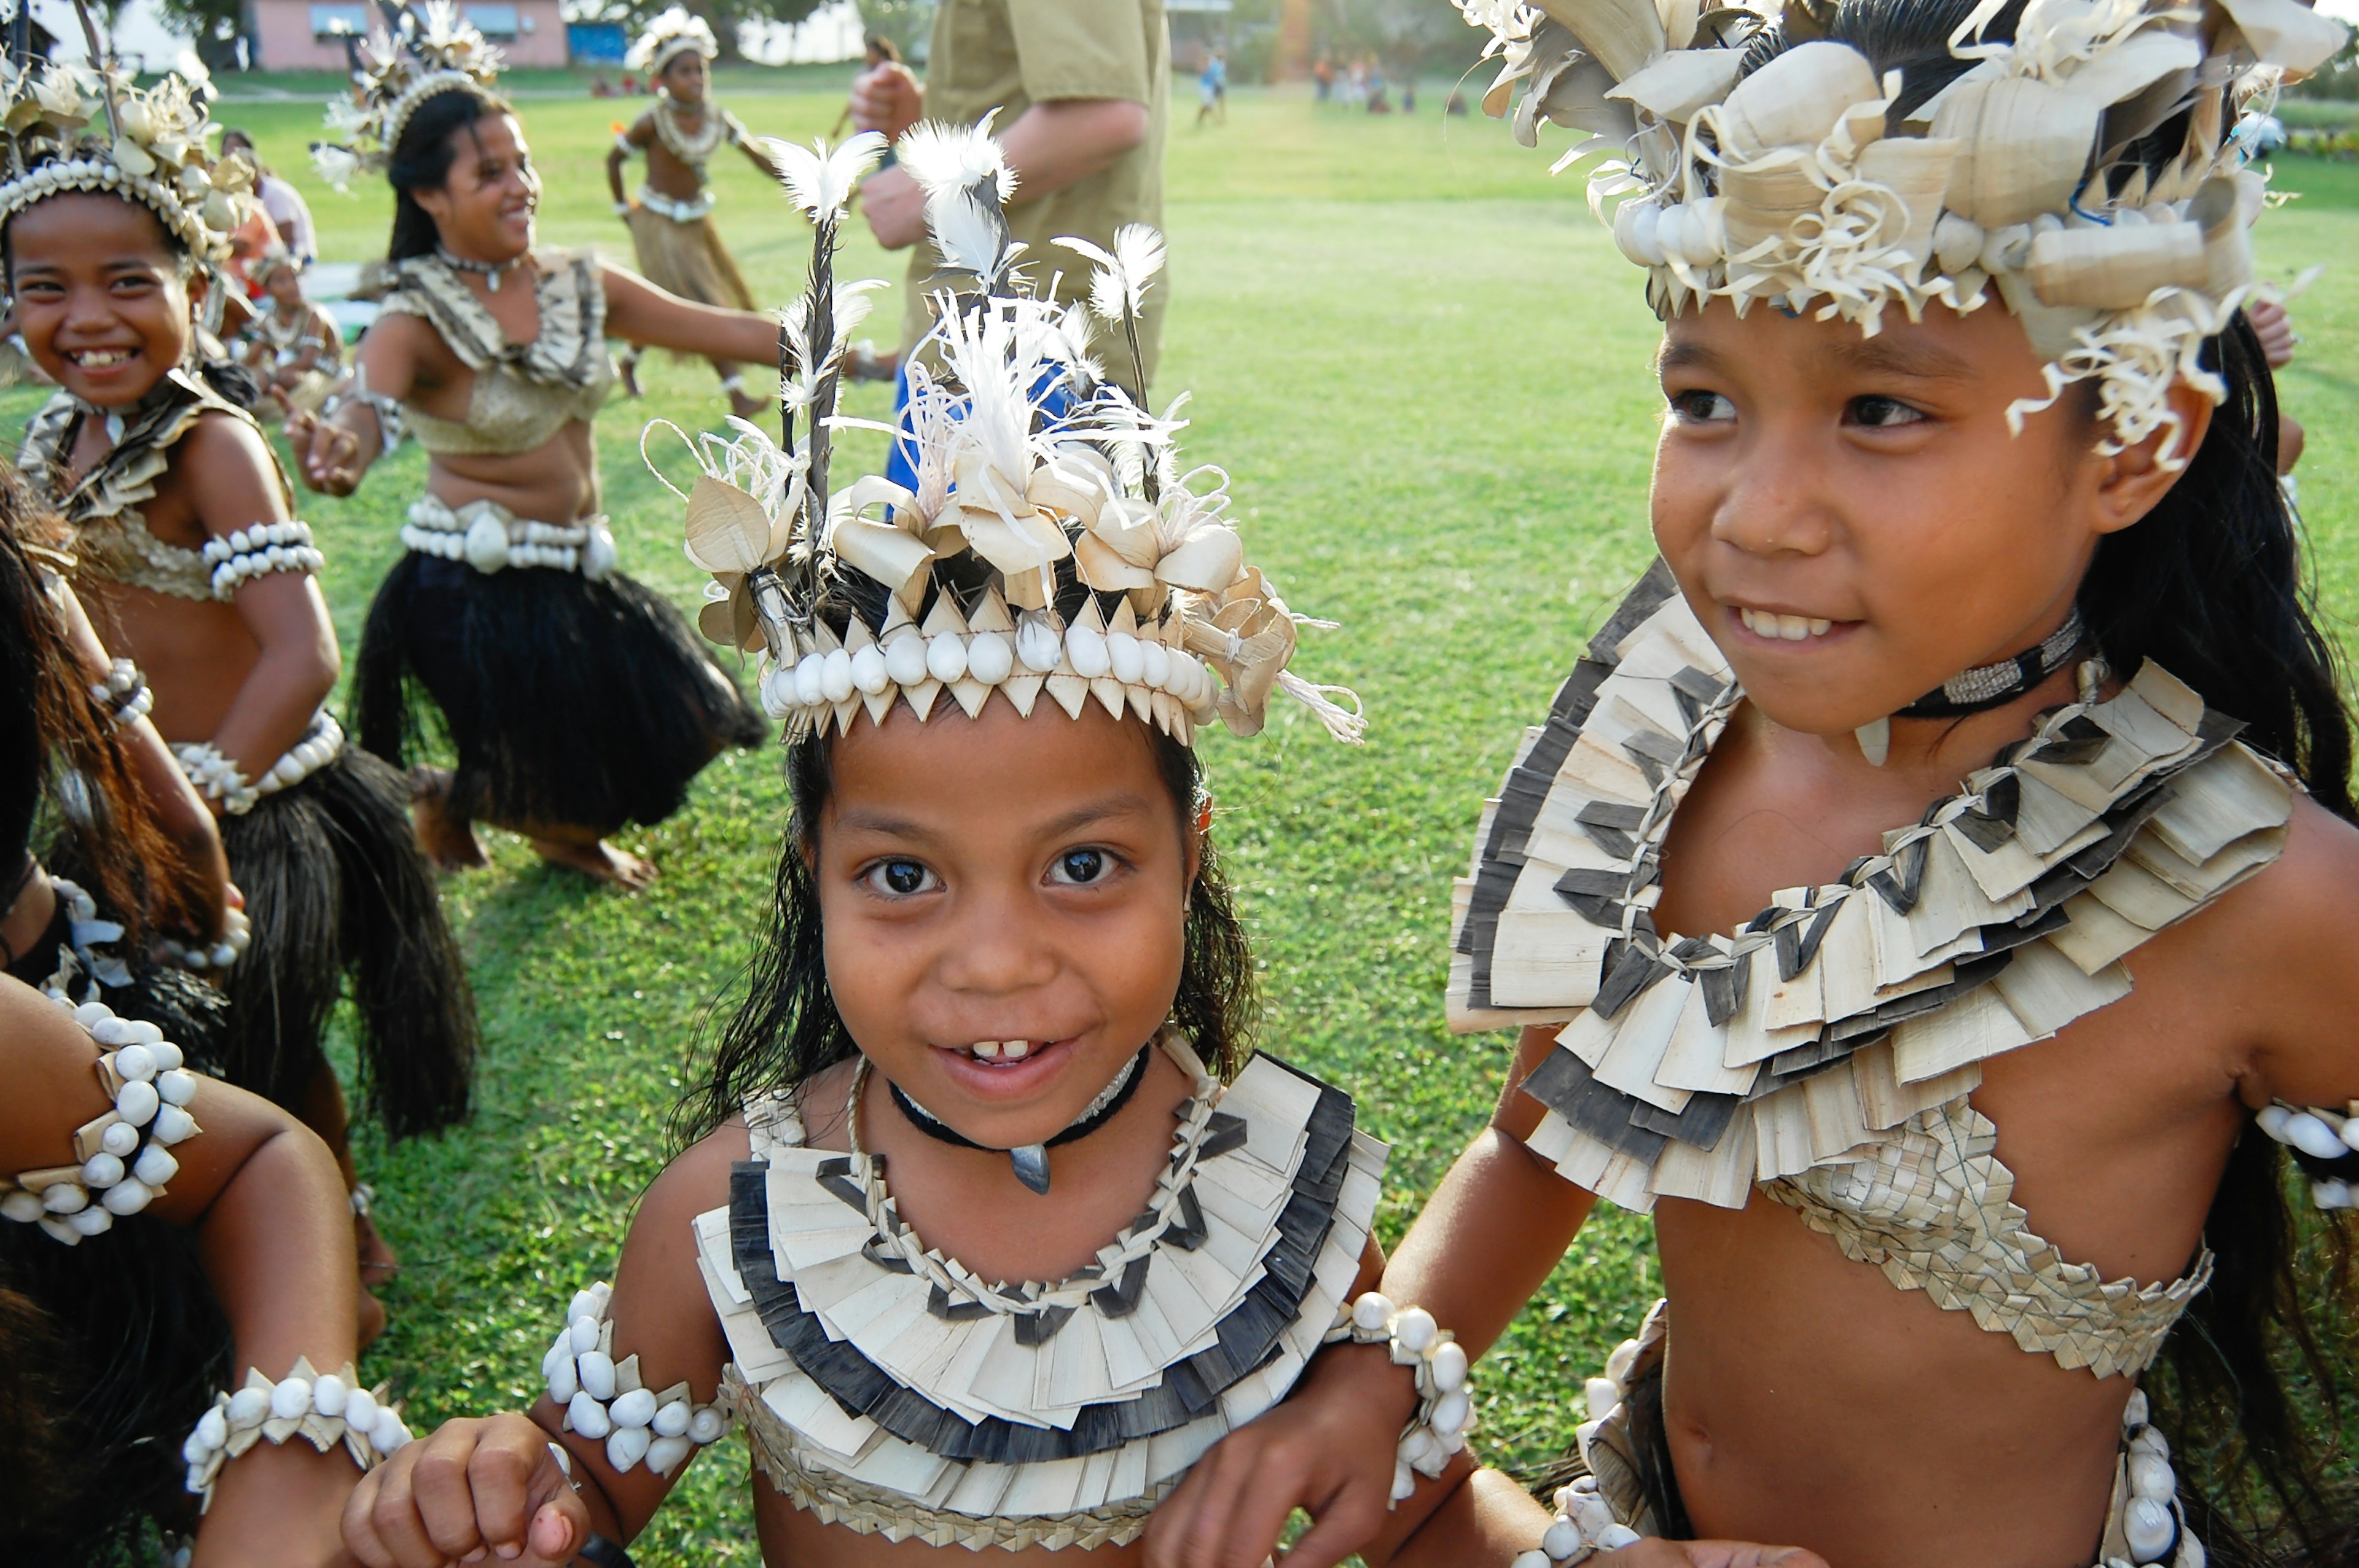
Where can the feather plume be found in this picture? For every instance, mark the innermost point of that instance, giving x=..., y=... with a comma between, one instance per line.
x=941, y=156
x=970, y=232
x=1120, y=278
x=820, y=180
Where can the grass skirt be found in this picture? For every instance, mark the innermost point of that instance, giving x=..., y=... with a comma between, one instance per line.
x=688, y=259
x=335, y=886
x=569, y=702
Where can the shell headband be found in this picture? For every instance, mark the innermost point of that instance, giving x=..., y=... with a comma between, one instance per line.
x=2032, y=172
x=393, y=78
x=670, y=35
x=66, y=130
x=1051, y=543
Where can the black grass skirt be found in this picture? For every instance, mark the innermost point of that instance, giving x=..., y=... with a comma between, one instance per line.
x=569, y=702
x=335, y=886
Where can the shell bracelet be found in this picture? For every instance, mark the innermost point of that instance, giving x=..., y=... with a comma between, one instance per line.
x=124, y=694
x=604, y=1400
x=216, y=777
x=237, y=936
x=259, y=550
x=1445, y=1409
x=1583, y=1526
x=125, y=1155
x=325, y=1407
x=2325, y=1145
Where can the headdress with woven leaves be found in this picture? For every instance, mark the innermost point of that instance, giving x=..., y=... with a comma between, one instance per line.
x=67, y=130
x=2033, y=172
x=674, y=33
x=437, y=51
x=1052, y=544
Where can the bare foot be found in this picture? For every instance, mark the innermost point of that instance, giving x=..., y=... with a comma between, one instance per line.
x=448, y=838
x=747, y=407
x=600, y=859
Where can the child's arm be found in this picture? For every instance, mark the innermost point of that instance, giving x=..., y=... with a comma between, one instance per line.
x=276, y=1236
x=639, y=312
x=633, y=140
x=1485, y=1243
x=335, y=446
x=226, y=469
x=493, y=1485
x=751, y=147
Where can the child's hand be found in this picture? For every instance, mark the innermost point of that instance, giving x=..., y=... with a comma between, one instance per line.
x=475, y=1489
x=1657, y=1553
x=1328, y=1449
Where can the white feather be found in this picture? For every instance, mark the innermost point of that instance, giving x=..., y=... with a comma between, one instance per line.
x=1119, y=278
x=968, y=230
x=943, y=158
x=819, y=181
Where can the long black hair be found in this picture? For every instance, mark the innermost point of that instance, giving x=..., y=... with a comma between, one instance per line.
x=2211, y=586
x=787, y=1029
x=421, y=160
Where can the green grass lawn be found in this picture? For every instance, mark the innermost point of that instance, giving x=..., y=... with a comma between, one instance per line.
x=1426, y=371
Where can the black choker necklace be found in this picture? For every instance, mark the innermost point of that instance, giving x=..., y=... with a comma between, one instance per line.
x=489, y=271
x=1985, y=687
x=1030, y=1161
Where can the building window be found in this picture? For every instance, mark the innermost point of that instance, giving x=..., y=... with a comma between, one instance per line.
x=497, y=23
x=339, y=21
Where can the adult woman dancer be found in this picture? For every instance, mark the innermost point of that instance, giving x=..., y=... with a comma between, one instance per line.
x=1949, y=1100
x=671, y=223
x=577, y=699
x=195, y=570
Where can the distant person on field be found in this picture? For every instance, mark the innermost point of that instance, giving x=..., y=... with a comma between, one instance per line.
x=1082, y=91
x=1322, y=79
x=600, y=87
x=1213, y=83
x=289, y=212
x=1408, y=92
x=1455, y=103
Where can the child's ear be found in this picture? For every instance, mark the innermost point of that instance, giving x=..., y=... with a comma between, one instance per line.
x=2137, y=478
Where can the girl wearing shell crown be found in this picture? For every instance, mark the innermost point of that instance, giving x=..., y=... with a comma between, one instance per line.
x=576, y=698
x=158, y=1230
x=1931, y=893
x=671, y=223
x=196, y=573
x=988, y=1222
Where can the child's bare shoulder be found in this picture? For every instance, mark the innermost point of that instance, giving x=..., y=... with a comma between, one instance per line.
x=698, y=1179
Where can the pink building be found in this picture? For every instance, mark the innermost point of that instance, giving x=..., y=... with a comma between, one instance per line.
x=309, y=35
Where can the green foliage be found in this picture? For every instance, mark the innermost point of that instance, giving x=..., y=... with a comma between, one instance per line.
x=1427, y=373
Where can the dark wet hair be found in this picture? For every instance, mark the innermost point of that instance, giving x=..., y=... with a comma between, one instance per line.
x=787, y=1029
x=421, y=160
x=2211, y=586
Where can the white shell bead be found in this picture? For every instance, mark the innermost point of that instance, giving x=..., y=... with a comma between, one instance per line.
x=989, y=658
x=563, y=1383
x=2146, y=1525
x=1404, y=1483
x=2134, y=1414
x=126, y=1197
x=360, y=1410
x=167, y=1055
x=2314, y=1137
x=1594, y=1516
x=587, y=1416
x=1155, y=662
x=1562, y=1540
x=101, y=1170
x=2351, y=1134
x=1451, y=1413
x=89, y=1221
x=155, y=1165
x=585, y=1333
x=665, y=1454
x=328, y=1395
x=1371, y=1313
x=248, y=1407
x=1417, y=1445
x=2152, y=1477
x=386, y=1431
x=1124, y=658
x=868, y=670
x=22, y=1206
x=904, y=659
x=627, y=1447
x=64, y=1198
x=174, y=1125
x=835, y=676
x=1535, y=1558
x=946, y=658
x=1414, y=1328
x=597, y=1372
x=1086, y=648
x=176, y=1085
x=112, y=1031
x=1450, y=1366
x=706, y=1425
x=1038, y=645
x=212, y=1428
x=673, y=1420
x=1615, y=1537
x=136, y=1063
x=136, y=1103
x=808, y=676
x=636, y=1407
x=291, y=1400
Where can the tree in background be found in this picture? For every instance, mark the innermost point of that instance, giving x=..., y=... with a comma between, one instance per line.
x=909, y=23
x=214, y=25
x=1405, y=35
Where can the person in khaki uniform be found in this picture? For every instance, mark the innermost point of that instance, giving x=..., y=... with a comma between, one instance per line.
x=1083, y=88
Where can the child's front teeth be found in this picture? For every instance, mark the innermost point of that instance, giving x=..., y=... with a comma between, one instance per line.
x=1789, y=627
x=1001, y=1049
x=100, y=358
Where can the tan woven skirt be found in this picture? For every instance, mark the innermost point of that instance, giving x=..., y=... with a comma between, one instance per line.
x=688, y=259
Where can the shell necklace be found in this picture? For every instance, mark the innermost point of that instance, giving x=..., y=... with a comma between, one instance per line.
x=1986, y=687
x=692, y=147
x=488, y=271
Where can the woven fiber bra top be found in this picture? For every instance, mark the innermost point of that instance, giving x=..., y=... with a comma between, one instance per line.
x=887, y=1388
x=1826, y=1049
x=111, y=538
x=524, y=392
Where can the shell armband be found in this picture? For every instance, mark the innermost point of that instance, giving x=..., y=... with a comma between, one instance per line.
x=2325, y=1145
x=124, y=694
x=326, y=1408
x=1583, y=1526
x=1445, y=1410
x=216, y=777
x=125, y=1155
x=259, y=550
x=604, y=1400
